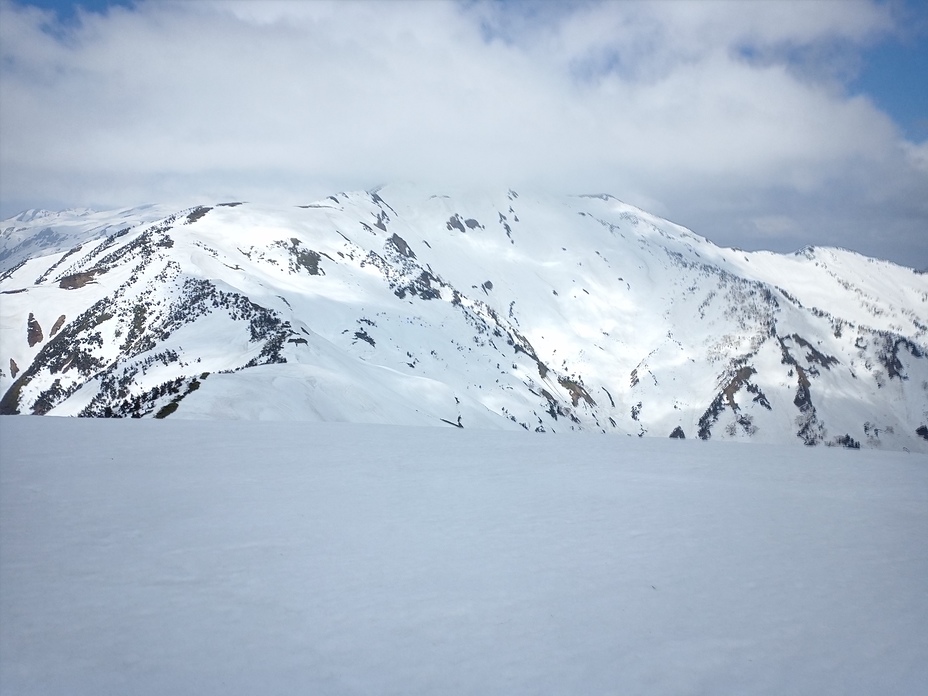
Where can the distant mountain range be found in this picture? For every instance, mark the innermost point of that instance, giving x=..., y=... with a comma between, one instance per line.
x=491, y=311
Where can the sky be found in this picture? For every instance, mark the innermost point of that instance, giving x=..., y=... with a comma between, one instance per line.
x=761, y=125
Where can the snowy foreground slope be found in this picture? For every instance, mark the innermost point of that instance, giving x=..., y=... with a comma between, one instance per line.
x=492, y=311
x=156, y=557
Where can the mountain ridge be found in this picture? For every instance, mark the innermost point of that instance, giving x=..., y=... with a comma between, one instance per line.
x=472, y=310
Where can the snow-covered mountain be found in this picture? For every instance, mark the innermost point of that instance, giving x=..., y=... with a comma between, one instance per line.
x=490, y=311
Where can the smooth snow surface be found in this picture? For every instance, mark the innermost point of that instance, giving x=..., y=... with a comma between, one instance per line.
x=180, y=557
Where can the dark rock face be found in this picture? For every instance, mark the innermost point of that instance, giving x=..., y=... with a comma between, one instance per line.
x=78, y=280
x=34, y=331
x=455, y=223
x=401, y=246
x=197, y=213
x=58, y=324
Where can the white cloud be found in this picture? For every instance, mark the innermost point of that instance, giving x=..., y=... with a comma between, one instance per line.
x=917, y=155
x=710, y=113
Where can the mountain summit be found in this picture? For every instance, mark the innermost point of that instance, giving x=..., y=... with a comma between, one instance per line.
x=492, y=311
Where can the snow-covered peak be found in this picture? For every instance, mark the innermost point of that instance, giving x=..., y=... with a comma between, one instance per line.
x=32, y=214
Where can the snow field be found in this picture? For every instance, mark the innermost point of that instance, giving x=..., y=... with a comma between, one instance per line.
x=153, y=557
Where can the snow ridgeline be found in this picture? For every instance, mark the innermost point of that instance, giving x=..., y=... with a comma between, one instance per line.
x=493, y=311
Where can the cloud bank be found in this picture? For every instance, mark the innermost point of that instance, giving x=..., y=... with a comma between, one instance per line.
x=730, y=118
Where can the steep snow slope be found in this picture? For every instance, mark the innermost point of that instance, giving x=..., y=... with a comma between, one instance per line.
x=489, y=310
x=160, y=557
